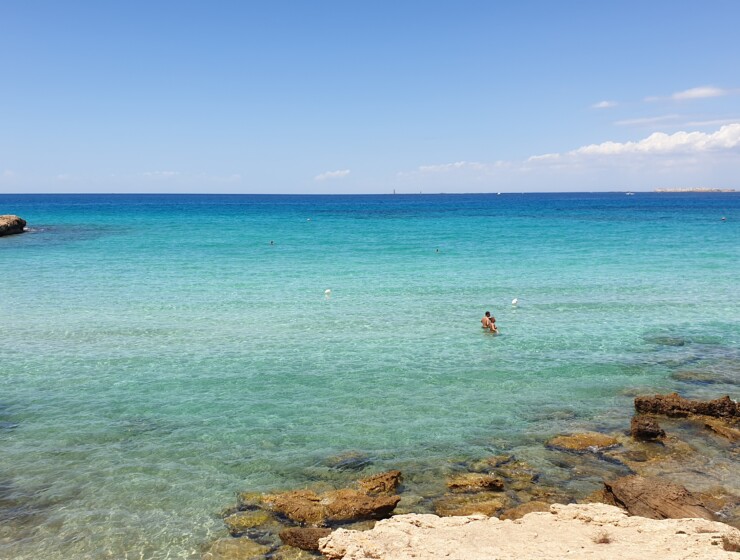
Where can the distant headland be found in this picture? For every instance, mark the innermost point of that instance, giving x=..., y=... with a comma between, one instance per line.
x=695, y=189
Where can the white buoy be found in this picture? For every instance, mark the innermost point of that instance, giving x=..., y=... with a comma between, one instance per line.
x=514, y=301
x=327, y=293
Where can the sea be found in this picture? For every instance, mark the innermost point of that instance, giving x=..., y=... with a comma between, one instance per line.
x=160, y=353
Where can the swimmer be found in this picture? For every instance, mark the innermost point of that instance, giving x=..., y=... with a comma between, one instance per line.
x=488, y=322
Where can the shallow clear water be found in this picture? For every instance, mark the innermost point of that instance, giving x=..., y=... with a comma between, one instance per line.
x=158, y=353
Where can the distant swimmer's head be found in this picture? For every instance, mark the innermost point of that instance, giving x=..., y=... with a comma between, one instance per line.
x=488, y=313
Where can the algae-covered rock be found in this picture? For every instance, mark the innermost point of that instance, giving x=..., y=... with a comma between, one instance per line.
x=585, y=441
x=238, y=523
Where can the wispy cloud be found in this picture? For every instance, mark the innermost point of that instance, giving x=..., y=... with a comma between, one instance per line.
x=604, y=105
x=458, y=165
x=327, y=175
x=648, y=121
x=700, y=93
x=161, y=174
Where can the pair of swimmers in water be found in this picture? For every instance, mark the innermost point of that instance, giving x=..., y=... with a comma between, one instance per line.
x=489, y=322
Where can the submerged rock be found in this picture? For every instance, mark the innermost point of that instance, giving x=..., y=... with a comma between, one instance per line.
x=666, y=340
x=645, y=428
x=305, y=538
x=238, y=523
x=473, y=482
x=675, y=405
x=236, y=549
x=349, y=461
x=721, y=428
x=586, y=441
x=10, y=224
x=521, y=510
x=656, y=499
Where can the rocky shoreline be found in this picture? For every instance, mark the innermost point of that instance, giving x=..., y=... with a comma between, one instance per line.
x=639, y=474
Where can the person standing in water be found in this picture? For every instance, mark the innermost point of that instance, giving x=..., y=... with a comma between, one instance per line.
x=489, y=322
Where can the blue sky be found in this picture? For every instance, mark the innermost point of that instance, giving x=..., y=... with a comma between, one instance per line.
x=368, y=97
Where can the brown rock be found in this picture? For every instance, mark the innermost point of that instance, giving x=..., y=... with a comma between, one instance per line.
x=10, y=224
x=472, y=482
x=645, y=428
x=236, y=549
x=586, y=441
x=486, y=503
x=301, y=506
x=351, y=505
x=656, y=499
x=523, y=509
x=309, y=508
x=383, y=483
x=305, y=538
x=674, y=405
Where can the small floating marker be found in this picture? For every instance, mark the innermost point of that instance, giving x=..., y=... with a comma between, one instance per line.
x=724, y=219
x=327, y=293
x=515, y=301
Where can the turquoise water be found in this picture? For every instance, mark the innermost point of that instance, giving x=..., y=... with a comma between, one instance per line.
x=159, y=353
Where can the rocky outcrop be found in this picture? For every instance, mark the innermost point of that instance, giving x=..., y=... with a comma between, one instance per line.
x=674, y=405
x=10, y=224
x=594, y=531
x=645, y=428
x=656, y=499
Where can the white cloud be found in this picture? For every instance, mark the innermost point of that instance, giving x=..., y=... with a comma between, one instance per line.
x=659, y=159
x=604, y=105
x=339, y=174
x=726, y=138
x=700, y=93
